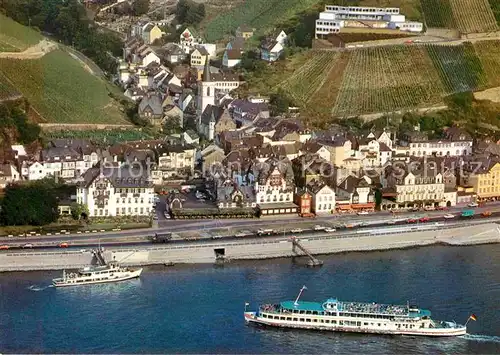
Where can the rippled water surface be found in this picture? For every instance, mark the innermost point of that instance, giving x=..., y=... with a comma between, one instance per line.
x=199, y=309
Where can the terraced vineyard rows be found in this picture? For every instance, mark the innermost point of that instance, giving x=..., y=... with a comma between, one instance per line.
x=495, y=6
x=489, y=56
x=310, y=77
x=61, y=90
x=328, y=92
x=438, y=13
x=458, y=66
x=473, y=16
x=386, y=79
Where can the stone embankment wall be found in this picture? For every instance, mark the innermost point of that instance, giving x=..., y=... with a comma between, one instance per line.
x=248, y=249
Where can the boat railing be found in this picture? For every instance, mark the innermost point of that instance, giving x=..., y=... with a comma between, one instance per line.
x=374, y=308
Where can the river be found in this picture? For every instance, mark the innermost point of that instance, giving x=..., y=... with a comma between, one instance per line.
x=198, y=309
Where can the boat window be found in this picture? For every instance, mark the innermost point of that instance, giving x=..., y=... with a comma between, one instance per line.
x=288, y=318
x=301, y=319
x=264, y=316
x=365, y=323
x=314, y=312
x=341, y=322
x=302, y=312
x=296, y=319
x=358, y=324
x=315, y=320
x=334, y=322
x=379, y=324
x=321, y=321
x=327, y=321
x=282, y=318
x=308, y=312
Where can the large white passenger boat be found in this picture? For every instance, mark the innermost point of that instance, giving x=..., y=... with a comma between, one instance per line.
x=357, y=317
x=111, y=272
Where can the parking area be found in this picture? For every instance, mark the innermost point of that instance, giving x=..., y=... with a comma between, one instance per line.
x=193, y=199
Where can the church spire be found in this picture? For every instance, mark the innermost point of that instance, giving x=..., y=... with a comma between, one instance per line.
x=206, y=71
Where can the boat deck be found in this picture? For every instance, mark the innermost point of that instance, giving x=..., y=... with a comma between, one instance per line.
x=347, y=307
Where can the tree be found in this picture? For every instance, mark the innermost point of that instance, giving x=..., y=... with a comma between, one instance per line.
x=79, y=210
x=189, y=12
x=378, y=199
x=172, y=125
x=34, y=203
x=279, y=103
x=140, y=7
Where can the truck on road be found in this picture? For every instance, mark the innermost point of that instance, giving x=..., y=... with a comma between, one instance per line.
x=467, y=213
x=161, y=237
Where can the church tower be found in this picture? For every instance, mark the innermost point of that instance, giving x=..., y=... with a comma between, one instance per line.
x=206, y=90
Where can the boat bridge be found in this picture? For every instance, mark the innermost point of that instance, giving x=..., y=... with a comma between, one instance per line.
x=99, y=256
x=312, y=260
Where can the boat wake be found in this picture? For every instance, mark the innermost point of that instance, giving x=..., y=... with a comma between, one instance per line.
x=483, y=338
x=37, y=288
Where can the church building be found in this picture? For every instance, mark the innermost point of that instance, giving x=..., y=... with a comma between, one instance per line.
x=211, y=87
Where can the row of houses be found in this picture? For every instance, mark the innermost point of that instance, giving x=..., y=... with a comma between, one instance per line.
x=275, y=165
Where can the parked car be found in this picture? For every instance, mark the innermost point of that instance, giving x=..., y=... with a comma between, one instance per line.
x=361, y=213
x=330, y=230
x=240, y=235
x=4, y=247
x=319, y=228
x=486, y=213
x=265, y=231
x=411, y=220
x=424, y=219
x=472, y=204
x=296, y=230
x=449, y=216
x=391, y=222
x=216, y=236
x=28, y=245
x=63, y=245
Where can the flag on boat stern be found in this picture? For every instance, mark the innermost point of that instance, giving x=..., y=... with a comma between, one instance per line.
x=473, y=317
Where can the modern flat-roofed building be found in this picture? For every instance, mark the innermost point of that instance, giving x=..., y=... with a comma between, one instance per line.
x=336, y=17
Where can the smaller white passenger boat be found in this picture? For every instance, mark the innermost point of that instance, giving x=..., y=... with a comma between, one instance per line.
x=111, y=272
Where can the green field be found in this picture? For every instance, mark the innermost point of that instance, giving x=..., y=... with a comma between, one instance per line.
x=61, y=90
x=15, y=37
x=260, y=14
x=468, y=16
x=458, y=67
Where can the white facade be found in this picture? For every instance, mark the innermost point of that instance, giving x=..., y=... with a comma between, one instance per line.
x=323, y=201
x=150, y=58
x=441, y=148
x=105, y=197
x=332, y=19
x=206, y=95
x=230, y=62
x=274, y=190
x=35, y=171
x=8, y=174
x=189, y=40
x=421, y=188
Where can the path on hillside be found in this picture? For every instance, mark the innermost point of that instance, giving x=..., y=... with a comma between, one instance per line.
x=34, y=52
x=418, y=40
